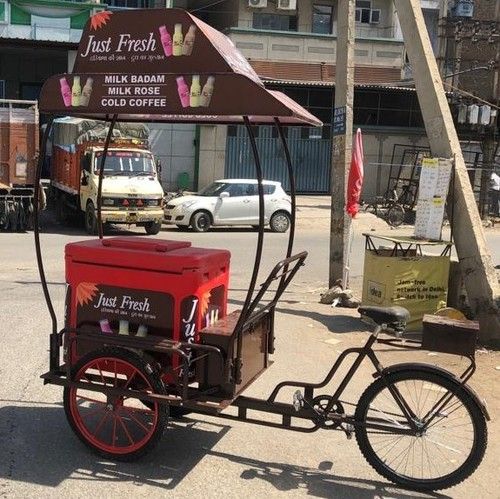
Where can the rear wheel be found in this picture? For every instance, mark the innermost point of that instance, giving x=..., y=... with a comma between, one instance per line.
x=371, y=208
x=280, y=222
x=116, y=427
x=395, y=215
x=201, y=221
x=443, y=453
x=152, y=228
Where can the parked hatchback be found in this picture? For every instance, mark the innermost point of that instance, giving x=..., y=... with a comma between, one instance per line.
x=231, y=202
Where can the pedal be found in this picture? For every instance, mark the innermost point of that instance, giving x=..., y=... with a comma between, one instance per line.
x=298, y=401
x=348, y=430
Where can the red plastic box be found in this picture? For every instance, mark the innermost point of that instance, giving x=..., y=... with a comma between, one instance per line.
x=144, y=286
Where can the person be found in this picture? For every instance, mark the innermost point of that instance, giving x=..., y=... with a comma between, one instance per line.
x=494, y=194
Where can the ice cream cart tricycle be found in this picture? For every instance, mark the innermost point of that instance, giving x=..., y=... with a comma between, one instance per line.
x=147, y=334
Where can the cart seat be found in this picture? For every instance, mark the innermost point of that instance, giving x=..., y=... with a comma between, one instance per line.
x=386, y=315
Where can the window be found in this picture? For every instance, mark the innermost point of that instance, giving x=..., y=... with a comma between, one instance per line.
x=322, y=19
x=275, y=22
x=363, y=11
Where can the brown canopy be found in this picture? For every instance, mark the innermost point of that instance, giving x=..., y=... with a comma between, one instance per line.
x=164, y=65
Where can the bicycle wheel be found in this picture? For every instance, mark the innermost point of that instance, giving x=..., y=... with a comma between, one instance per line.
x=442, y=455
x=395, y=215
x=116, y=427
x=371, y=208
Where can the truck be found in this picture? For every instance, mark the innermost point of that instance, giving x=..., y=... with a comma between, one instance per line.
x=19, y=140
x=131, y=191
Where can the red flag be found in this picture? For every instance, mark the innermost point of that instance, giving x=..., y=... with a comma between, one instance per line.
x=356, y=174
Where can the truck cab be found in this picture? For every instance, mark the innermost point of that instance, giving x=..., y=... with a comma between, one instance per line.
x=131, y=192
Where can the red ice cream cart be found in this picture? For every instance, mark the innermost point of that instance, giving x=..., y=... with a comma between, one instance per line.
x=147, y=333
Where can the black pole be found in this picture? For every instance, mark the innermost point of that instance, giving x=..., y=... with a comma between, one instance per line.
x=36, y=229
x=260, y=241
x=54, y=343
x=291, y=177
x=101, y=176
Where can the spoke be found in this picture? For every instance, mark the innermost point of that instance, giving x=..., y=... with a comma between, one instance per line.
x=397, y=457
x=444, y=446
x=114, y=431
x=131, y=415
x=387, y=418
x=100, y=372
x=88, y=399
x=106, y=414
x=129, y=380
x=125, y=429
x=392, y=447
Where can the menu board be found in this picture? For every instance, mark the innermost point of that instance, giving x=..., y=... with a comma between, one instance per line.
x=433, y=190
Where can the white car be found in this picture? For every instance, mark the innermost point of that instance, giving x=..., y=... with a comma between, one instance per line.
x=231, y=202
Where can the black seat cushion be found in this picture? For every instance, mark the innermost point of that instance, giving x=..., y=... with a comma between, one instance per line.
x=386, y=315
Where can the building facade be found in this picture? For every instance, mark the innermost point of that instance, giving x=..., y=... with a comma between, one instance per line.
x=292, y=46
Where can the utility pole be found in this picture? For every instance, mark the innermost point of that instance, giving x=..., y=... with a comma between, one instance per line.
x=476, y=264
x=342, y=130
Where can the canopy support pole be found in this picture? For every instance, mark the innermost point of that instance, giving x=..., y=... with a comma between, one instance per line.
x=54, y=347
x=100, y=230
x=258, y=253
x=291, y=177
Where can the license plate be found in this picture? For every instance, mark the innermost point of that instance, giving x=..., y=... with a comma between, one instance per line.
x=132, y=218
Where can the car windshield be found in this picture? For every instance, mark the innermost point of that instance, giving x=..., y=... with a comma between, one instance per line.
x=213, y=189
x=129, y=163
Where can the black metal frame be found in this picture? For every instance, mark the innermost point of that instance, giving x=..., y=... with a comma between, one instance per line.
x=204, y=401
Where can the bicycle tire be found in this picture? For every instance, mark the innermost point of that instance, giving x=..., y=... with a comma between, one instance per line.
x=395, y=215
x=371, y=208
x=431, y=380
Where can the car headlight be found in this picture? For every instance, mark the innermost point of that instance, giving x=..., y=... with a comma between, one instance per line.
x=153, y=202
x=187, y=204
x=108, y=202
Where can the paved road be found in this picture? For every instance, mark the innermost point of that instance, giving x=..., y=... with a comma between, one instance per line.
x=199, y=456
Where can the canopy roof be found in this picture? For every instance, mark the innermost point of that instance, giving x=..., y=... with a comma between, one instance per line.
x=164, y=65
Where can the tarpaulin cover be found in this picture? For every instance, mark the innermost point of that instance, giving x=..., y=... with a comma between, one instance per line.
x=164, y=65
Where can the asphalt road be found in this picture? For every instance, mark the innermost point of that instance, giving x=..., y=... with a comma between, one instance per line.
x=198, y=456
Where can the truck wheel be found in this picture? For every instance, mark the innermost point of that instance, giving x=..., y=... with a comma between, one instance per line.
x=152, y=228
x=90, y=219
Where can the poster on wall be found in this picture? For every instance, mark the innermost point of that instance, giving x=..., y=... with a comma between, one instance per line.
x=435, y=179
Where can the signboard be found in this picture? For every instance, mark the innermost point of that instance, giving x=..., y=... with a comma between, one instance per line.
x=339, y=121
x=433, y=189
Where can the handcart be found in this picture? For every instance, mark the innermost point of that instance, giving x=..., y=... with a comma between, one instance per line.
x=147, y=334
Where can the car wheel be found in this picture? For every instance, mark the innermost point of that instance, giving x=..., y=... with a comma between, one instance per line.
x=280, y=221
x=90, y=219
x=152, y=228
x=201, y=221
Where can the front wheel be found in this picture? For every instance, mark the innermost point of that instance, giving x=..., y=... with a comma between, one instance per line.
x=115, y=426
x=90, y=219
x=152, y=228
x=201, y=221
x=450, y=440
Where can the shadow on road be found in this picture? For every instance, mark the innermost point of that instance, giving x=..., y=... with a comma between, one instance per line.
x=318, y=483
x=38, y=447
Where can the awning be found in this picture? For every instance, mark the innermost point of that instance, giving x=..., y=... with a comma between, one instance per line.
x=164, y=65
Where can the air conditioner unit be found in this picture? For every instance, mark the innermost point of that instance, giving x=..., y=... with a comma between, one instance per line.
x=287, y=4
x=257, y=4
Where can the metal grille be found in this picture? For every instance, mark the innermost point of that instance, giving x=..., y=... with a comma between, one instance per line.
x=310, y=159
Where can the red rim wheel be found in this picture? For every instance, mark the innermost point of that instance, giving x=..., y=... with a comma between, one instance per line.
x=116, y=427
